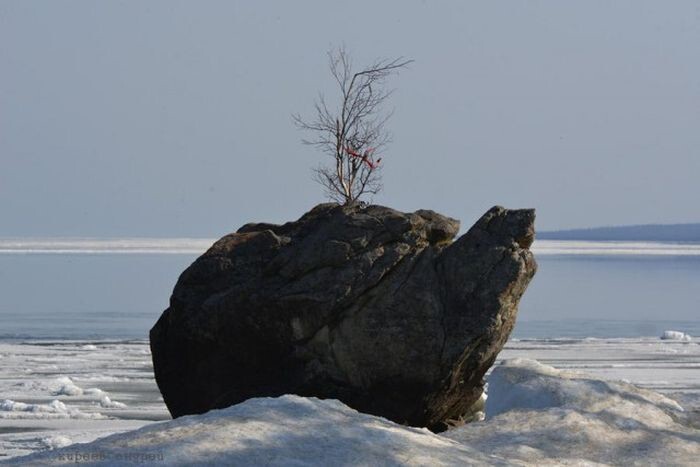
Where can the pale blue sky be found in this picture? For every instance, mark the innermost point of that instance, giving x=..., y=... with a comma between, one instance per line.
x=167, y=118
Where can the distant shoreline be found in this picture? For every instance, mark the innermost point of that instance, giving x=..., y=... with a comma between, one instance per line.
x=680, y=233
x=615, y=248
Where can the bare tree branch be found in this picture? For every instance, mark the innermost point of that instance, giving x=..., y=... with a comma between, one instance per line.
x=354, y=135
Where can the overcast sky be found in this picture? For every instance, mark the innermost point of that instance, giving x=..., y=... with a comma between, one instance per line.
x=166, y=118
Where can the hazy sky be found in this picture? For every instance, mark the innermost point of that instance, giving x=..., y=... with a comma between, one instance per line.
x=165, y=118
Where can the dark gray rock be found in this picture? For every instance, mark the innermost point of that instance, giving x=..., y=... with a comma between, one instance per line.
x=375, y=307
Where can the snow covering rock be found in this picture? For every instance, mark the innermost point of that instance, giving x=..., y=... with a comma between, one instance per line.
x=538, y=415
x=676, y=336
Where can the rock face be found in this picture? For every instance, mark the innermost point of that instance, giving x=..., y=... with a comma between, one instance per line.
x=377, y=308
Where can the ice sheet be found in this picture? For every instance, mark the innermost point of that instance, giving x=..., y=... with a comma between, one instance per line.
x=538, y=416
x=32, y=372
x=56, y=393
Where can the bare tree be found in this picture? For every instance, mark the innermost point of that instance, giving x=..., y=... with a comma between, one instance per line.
x=354, y=134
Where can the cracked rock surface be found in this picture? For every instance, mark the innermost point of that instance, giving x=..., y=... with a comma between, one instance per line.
x=380, y=309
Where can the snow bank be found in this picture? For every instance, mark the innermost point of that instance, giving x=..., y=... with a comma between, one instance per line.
x=676, y=336
x=538, y=415
x=288, y=430
x=528, y=384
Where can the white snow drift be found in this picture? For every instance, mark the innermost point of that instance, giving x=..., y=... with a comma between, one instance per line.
x=676, y=336
x=288, y=430
x=536, y=415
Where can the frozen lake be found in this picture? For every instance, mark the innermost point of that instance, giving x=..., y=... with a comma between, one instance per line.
x=96, y=289
x=80, y=374
x=75, y=315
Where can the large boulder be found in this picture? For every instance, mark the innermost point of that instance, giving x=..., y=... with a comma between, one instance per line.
x=377, y=308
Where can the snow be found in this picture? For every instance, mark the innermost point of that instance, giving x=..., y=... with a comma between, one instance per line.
x=99, y=388
x=10, y=409
x=54, y=442
x=614, y=248
x=105, y=245
x=67, y=388
x=535, y=415
x=528, y=384
x=200, y=245
x=665, y=366
x=527, y=400
x=107, y=403
x=676, y=336
x=289, y=430
x=538, y=415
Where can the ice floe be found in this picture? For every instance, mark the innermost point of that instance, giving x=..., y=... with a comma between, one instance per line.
x=54, y=442
x=676, y=336
x=10, y=409
x=614, y=248
x=79, y=378
x=66, y=387
x=104, y=245
x=107, y=403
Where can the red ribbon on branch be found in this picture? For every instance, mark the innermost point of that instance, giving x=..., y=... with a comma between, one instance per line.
x=366, y=157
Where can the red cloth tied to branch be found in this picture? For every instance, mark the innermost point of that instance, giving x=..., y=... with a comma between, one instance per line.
x=366, y=157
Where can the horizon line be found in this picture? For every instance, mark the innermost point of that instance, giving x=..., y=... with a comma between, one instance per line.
x=193, y=245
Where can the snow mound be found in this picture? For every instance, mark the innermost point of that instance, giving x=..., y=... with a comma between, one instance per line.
x=538, y=415
x=66, y=387
x=10, y=409
x=94, y=392
x=107, y=403
x=55, y=442
x=528, y=384
x=676, y=336
x=284, y=431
